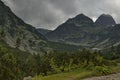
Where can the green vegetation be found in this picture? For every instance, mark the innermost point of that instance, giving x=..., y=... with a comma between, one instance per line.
x=63, y=47
x=76, y=74
x=82, y=64
x=102, y=70
x=60, y=65
x=15, y=64
x=65, y=61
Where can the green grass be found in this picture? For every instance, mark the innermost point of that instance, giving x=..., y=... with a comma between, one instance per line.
x=73, y=75
x=77, y=74
x=115, y=69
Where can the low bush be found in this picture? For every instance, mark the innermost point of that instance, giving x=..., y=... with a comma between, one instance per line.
x=102, y=70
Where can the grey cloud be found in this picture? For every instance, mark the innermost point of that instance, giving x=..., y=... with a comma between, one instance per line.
x=51, y=13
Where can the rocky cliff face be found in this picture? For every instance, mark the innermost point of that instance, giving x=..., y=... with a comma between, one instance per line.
x=18, y=34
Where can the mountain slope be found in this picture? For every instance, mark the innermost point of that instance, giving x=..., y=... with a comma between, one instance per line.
x=62, y=47
x=81, y=30
x=19, y=34
x=73, y=30
x=43, y=31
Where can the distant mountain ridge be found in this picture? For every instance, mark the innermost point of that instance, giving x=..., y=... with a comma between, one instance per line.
x=81, y=30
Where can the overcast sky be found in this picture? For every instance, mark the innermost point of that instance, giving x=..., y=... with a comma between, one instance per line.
x=51, y=13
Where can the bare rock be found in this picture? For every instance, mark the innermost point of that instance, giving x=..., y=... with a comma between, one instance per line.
x=27, y=78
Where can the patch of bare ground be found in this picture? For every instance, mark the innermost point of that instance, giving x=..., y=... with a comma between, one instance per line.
x=108, y=77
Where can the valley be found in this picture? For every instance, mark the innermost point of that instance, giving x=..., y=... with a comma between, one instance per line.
x=78, y=48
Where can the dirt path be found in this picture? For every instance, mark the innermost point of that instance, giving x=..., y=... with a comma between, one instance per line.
x=109, y=77
x=70, y=78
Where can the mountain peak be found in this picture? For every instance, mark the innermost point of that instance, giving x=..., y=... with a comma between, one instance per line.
x=105, y=20
x=106, y=15
x=80, y=19
x=79, y=15
x=82, y=16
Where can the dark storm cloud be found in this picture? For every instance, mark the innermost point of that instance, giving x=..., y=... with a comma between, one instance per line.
x=50, y=13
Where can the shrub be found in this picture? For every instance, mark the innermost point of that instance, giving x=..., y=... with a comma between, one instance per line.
x=102, y=70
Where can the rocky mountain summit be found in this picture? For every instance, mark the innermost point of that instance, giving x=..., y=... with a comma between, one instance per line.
x=105, y=20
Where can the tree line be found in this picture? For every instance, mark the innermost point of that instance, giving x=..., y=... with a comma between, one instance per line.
x=15, y=64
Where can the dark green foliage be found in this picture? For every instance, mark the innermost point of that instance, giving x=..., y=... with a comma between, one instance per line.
x=9, y=68
x=42, y=64
x=102, y=70
x=112, y=53
x=15, y=64
x=18, y=41
x=2, y=33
